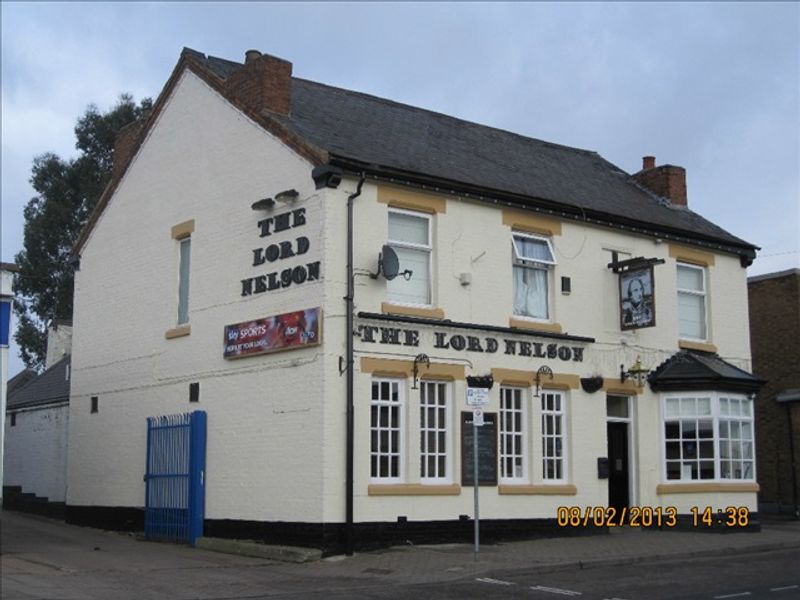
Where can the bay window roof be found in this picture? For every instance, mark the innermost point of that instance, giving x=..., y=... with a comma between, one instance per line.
x=689, y=370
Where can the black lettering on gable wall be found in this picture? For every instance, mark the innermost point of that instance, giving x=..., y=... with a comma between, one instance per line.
x=283, y=279
x=280, y=251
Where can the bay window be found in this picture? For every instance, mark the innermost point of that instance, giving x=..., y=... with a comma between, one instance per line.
x=708, y=436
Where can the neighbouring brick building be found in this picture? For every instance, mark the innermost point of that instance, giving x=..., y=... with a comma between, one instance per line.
x=775, y=344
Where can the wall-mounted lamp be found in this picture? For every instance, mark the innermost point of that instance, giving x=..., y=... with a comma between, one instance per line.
x=263, y=204
x=285, y=197
x=637, y=373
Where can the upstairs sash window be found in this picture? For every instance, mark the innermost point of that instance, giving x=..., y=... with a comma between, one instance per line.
x=410, y=238
x=532, y=263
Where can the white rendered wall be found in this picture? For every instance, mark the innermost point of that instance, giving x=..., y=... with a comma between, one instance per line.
x=36, y=451
x=276, y=443
x=471, y=237
x=203, y=160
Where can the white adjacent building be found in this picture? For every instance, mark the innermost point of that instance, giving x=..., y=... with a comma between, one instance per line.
x=541, y=265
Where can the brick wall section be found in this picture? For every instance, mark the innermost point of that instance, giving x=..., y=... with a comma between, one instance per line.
x=668, y=181
x=775, y=342
x=125, y=144
x=263, y=83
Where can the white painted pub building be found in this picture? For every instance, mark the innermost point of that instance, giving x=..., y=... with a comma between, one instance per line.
x=215, y=276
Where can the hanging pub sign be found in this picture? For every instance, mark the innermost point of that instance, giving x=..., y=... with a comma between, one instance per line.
x=287, y=331
x=637, y=298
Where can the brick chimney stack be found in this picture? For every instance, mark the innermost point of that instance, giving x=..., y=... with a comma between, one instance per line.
x=667, y=181
x=263, y=82
x=125, y=144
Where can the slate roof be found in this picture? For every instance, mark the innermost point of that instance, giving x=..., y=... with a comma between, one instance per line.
x=20, y=379
x=687, y=370
x=51, y=386
x=375, y=131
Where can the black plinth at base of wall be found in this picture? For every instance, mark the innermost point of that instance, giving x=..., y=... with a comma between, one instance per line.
x=15, y=499
x=113, y=518
x=371, y=536
x=329, y=537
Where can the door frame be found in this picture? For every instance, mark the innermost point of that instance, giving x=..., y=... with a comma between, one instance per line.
x=633, y=471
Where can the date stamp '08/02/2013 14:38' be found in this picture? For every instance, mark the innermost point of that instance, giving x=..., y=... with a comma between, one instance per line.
x=651, y=516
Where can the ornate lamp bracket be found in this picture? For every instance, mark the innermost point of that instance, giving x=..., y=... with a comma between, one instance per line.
x=419, y=358
x=544, y=370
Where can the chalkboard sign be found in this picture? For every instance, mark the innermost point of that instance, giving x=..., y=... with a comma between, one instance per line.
x=487, y=450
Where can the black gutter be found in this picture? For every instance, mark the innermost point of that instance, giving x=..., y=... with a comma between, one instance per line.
x=349, y=541
x=695, y=384
x=745, y=251
x=476, y=326
x=793, y=462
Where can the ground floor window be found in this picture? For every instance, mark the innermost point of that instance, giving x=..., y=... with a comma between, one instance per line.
x=386, y=427
x=390, y=439
x=434, y=431
x=513, y=443
x=708, y=436
x=553, y=436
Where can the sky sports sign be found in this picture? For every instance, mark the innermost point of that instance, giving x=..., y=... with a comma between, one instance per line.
x=287, y=331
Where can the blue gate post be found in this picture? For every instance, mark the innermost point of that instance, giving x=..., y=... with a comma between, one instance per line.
x=197, y=475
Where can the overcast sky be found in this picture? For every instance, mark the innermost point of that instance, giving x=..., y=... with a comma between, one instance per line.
x=714, y=87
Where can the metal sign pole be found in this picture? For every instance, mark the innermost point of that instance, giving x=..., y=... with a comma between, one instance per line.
x=478, y=398
x=475, y=482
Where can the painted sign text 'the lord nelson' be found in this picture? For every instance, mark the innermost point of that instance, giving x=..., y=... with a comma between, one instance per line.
x=399, y=336
x=279, y=251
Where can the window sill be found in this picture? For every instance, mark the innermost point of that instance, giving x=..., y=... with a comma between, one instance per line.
x=701, y=346
x=388, y=308
x=413, y=489
x=701, y=488
x=537, y=490
x=534, y=325
x=178, y=332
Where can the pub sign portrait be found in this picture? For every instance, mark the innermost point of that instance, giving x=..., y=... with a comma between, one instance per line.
x=637, y=299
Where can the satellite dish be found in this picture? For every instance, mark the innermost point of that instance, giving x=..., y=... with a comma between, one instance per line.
x=388, y=263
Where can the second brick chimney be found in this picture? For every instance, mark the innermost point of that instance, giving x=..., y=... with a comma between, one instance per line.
x=263, y=82
x=668, y=181
x=125, y=144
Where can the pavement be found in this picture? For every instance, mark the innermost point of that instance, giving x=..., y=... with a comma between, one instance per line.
x=43, y=558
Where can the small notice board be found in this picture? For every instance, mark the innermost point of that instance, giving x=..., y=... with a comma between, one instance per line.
x=487, y=450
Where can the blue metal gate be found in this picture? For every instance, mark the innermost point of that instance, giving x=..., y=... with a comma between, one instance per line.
x=174, y=477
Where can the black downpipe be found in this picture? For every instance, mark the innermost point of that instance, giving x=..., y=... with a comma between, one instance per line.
x=793, y=461
x=349, y=537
